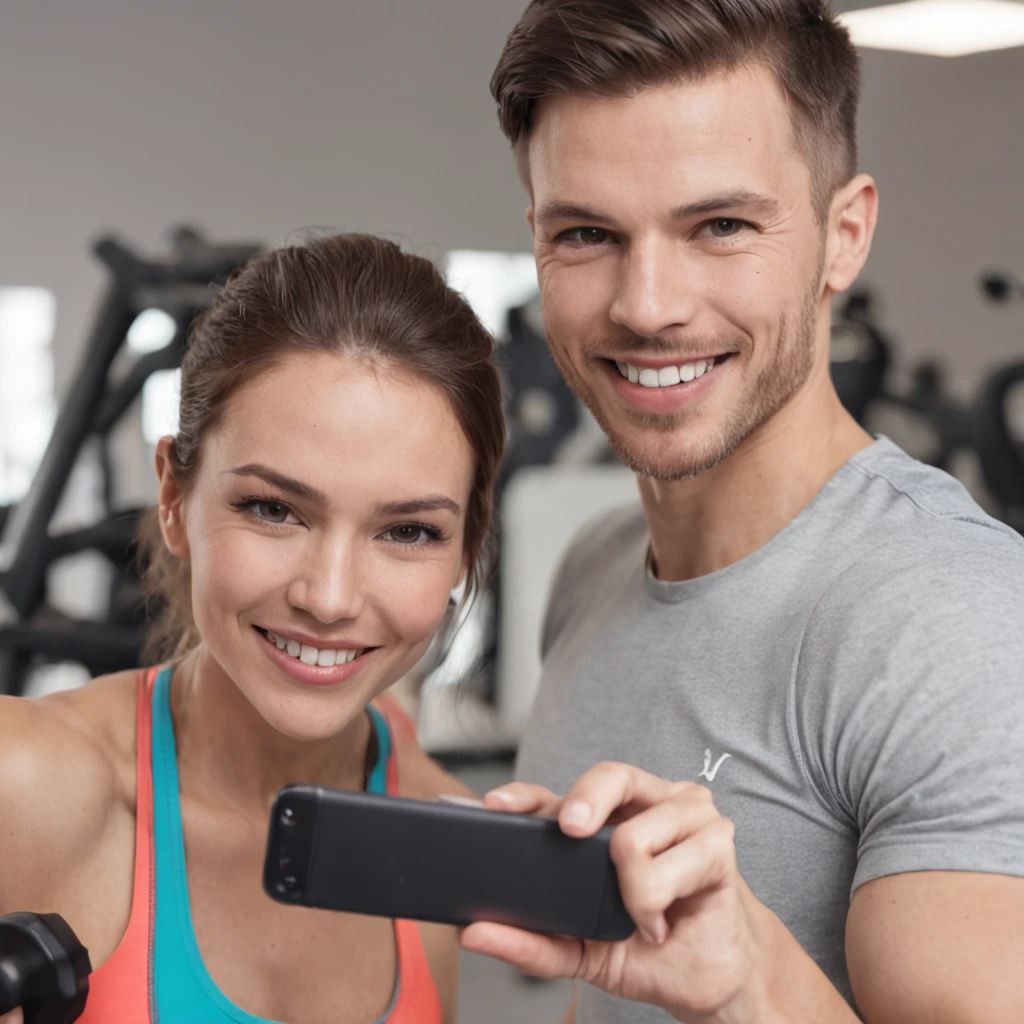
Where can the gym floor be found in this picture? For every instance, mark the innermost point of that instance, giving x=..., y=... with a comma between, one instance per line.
x=491, y=992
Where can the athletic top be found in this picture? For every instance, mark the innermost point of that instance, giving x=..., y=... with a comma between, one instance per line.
x=157, y=973
x=852, y=692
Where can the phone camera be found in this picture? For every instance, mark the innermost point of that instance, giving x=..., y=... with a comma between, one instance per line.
x=287, y=818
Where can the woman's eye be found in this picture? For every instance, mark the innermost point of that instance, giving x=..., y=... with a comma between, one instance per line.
x=270, y=511
x=410, y=534
x=585, y=236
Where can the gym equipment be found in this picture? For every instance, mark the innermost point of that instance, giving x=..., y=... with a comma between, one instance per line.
x=1000, y=450
x=44, y=969
x=860, y=356
x=30, y=630
x=861, y=365
x=1001, y=286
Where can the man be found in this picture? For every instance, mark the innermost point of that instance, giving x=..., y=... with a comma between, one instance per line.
x=821, y=636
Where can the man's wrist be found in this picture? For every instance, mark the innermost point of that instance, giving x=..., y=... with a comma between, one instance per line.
x=784, y=986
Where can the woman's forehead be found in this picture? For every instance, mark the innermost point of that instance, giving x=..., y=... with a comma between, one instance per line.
x=338, y=416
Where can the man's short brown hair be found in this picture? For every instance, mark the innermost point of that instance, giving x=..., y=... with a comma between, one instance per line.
x=621, y=47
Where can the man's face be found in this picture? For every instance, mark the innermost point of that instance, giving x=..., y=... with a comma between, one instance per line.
x=680, y=264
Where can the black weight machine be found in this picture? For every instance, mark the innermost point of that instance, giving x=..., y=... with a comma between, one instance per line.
x=861, y=364
x=31, y=630
x=1001, y=448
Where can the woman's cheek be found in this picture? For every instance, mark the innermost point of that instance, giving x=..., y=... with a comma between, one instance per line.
x=236, y=568
x=419, y=601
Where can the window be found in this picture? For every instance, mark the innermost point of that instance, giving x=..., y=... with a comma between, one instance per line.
x=27, y=404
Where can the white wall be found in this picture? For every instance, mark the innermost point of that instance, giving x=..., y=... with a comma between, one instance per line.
x=255, y=118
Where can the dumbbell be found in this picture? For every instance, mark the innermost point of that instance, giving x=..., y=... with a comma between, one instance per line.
x=44, y=969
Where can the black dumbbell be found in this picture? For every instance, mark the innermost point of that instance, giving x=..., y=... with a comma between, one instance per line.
x=44, y=969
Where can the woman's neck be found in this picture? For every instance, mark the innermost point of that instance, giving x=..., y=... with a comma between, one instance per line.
x=228, y=754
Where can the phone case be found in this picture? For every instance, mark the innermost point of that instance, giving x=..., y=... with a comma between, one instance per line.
x=432, y=861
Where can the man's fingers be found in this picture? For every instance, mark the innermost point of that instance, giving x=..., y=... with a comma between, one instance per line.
x=14, y=1017
x=543, y=956
x=599, y=792
x=651, y=884
x=664, y=825
x=523, y=798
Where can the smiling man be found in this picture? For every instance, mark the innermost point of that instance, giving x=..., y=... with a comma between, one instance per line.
x=819, y=637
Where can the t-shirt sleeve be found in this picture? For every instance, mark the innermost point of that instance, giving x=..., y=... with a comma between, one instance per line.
x=913, y=720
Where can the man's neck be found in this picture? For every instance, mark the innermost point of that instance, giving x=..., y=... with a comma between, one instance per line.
x=701, y=525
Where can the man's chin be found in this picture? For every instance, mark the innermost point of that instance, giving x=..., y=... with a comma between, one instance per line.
x=669, y=457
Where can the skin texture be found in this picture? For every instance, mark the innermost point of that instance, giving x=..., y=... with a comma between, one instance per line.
x=339, y=569
x=670, y=226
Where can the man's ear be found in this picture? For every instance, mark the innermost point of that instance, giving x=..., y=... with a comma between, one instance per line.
x=530, y=217
x=852, y=219
x=169, y=500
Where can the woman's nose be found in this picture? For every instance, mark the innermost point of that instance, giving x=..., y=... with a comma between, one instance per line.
x=328, y=585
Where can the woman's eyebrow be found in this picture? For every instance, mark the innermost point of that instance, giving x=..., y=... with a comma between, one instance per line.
x=280, y=481
x=411, y=507
x=431, y=503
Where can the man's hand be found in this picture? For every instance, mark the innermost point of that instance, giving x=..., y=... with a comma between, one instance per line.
x=699, y=950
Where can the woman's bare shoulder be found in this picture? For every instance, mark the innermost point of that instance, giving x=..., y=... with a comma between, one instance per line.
x=65, y=763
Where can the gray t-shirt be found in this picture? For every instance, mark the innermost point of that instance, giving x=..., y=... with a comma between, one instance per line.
x=852, y=692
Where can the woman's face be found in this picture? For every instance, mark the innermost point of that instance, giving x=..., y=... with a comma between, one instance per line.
x=325, y=533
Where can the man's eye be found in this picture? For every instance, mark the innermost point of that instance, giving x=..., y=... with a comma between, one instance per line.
x=585, y=236
x=726, y=227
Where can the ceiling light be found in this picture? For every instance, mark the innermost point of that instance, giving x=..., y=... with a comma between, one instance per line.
x=945, y=28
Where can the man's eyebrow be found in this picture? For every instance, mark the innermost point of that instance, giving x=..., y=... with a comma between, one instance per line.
x=763, y=204
x=409, y=508
x=281, y=482
x=571, y=211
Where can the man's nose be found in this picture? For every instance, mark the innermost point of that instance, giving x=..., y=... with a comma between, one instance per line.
x=655, y=290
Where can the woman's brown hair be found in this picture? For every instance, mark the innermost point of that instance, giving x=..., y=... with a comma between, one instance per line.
x=347, y=294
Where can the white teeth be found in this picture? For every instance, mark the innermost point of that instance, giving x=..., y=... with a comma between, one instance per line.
x=667, y=376
x=323, y=657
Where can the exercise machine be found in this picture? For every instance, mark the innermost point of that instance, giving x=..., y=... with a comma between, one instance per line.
x=31, y=629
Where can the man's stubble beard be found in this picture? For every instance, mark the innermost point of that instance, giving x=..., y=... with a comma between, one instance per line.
x=773, y=388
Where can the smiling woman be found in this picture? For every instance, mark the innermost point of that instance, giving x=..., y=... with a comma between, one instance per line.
x=329, y=486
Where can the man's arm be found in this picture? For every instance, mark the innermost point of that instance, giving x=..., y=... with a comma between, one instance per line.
x=945, y=947
x=941, y=947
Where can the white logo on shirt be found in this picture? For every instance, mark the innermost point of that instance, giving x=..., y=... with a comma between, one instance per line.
x=709, y=773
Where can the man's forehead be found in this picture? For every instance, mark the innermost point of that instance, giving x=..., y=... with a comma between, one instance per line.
x=735, y=124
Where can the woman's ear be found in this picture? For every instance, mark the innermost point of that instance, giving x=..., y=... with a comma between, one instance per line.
x=169, y=500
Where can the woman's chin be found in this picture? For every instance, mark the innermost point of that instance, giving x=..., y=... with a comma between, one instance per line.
x=308, y=718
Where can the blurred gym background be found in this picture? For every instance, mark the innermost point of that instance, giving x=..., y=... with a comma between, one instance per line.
x=147, y=149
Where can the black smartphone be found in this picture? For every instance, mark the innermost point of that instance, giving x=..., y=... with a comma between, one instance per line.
x=440, y=861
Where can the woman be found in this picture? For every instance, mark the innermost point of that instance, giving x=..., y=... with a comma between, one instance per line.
x=329, y=487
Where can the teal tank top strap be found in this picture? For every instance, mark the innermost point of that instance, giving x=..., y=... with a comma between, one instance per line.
x=183, y=989
x=377, y=779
